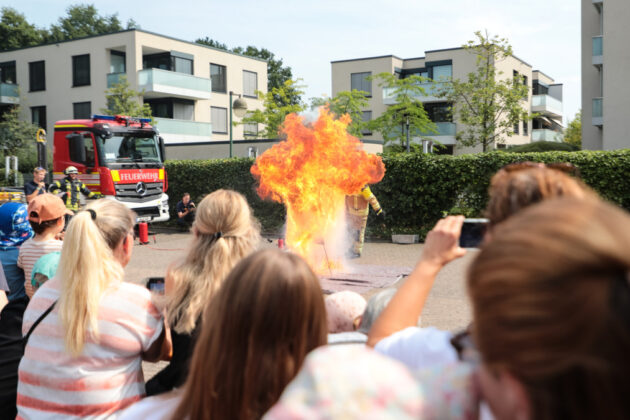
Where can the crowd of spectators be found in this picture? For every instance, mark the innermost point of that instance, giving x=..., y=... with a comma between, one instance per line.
x=249, y=333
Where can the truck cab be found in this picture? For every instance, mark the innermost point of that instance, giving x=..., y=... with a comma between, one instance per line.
x=121, y=158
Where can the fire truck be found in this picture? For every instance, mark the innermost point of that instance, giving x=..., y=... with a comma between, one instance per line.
x=121, y=158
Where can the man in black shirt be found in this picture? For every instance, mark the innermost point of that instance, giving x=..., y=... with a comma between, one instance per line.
x=185, y=211
x=37, y=186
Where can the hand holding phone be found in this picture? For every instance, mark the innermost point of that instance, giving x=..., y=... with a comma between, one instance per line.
x=473, y=232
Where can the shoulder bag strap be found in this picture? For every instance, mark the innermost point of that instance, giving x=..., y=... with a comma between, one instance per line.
x=36, y=323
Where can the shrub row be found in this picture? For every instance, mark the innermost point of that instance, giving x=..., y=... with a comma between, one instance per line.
x=417, y=190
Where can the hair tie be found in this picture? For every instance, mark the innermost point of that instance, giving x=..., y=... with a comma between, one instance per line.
x=92, y=214
x=217, y=235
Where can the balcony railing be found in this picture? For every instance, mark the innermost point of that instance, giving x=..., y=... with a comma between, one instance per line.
x=9, y=93
x=547, y=105
x=598, y=111
x=183, y=131
x=546, y=135
x=598, y=50
x=114, y=78
x=443, y=129
x=431, y=91
x=160, y=83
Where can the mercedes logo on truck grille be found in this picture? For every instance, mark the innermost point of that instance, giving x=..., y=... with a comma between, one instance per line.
x=141, y=188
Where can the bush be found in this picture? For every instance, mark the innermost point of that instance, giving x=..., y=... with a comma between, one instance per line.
x=418, y=189
x=543, y=146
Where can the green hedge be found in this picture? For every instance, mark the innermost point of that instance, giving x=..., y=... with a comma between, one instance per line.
x=417, y=189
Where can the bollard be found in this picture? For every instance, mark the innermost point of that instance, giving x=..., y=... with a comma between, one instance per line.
x=281, y=243
x=143, y=233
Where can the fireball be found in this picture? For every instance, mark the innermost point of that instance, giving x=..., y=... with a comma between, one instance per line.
x=311, y=172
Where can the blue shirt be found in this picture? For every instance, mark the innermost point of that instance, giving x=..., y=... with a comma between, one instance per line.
x=13, y=273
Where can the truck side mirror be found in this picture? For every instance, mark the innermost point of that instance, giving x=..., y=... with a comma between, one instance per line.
x=76, y=148
x=162, y=148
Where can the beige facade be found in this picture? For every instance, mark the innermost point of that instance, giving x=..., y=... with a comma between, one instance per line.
x=440, y=65
x=191, y=106
x=605, y=63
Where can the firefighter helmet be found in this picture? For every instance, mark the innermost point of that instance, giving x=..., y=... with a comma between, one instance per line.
x=71, y=170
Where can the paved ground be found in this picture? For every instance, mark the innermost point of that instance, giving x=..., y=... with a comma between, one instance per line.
x=447, y=306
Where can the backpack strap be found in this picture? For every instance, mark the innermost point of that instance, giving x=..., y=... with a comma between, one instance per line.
x=36, y=323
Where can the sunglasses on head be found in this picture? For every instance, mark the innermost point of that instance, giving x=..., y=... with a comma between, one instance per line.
x=565, y=167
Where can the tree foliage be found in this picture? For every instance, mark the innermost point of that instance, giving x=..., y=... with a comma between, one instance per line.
x=15, y=133
x=347, y=102
x=573, y=132
x=121, y=100
x=274, y=112
x=407, y=110
x=83, y=20
x=487, y=103
x=17, y=32
x=211, y=43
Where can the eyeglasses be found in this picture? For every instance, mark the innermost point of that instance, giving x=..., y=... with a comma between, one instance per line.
x=465, y=347
x=565, y=167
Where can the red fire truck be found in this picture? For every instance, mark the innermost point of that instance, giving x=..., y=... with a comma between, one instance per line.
x=121, y=158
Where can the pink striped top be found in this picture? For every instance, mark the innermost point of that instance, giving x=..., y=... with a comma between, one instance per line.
x=106, y=377
x=31, y=250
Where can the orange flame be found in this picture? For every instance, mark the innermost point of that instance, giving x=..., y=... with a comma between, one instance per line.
x=311, y=172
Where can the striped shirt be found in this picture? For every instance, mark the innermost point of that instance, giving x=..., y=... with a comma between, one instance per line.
x=106, y=377
x=31, y=251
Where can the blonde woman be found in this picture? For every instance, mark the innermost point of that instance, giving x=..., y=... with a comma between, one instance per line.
x=224, y=232
x=84, y=358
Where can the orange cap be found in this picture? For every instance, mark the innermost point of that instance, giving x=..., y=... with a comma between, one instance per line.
x=46, y=207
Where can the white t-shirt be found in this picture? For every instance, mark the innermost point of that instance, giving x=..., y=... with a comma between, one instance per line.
x=419, y=348
x=153, y=408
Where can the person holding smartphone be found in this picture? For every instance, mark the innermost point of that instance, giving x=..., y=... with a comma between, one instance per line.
x=185, y=211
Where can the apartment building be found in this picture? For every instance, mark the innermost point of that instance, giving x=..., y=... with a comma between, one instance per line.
x=605, y=63
x=187, y=86
x=544, y=98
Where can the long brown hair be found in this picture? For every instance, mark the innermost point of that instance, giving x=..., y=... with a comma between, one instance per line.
x=257, y=330
x=517, y=186
x=225, y=232
x=551, y=305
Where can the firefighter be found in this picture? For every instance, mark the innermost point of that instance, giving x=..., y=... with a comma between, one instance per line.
x=71, y=186
x=357, y=214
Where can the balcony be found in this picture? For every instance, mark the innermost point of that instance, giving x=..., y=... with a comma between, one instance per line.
x=157, y=83
x=598, y=4
x=183, y=131
x=9, y=94
x=598, y=112
x=546, y=135
x=445, y=133
x=598, y=50
x=114, y=78
x=431, y=91
x=547, y=105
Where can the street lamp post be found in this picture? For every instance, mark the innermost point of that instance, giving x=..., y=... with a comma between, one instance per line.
x=239, y=106
x=407, y=125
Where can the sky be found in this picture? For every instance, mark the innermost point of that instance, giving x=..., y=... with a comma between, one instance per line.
x=308, y=35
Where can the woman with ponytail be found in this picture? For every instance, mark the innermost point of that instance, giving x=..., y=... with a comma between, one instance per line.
x=224, y=233
x=84, y=357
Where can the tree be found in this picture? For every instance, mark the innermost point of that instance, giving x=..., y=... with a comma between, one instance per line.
x=15, y=133
x=573, y=133
x=488, y=105
x=212, y=43
x=83, y=20
x=121, y=101
x=347, y=102
x=406, y=110
x=16, y=32
x=274, y=112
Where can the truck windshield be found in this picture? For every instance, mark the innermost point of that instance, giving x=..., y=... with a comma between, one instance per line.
x=130, y=148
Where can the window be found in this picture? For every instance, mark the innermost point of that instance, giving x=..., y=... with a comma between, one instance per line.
x=117, y=62
x=441, y=73
x=37, y=76
x=250, y=83
x=182, y=65
x=525, y=128
x=157, y=61
x=179, y=109
x=217, y=76
x=89, y=149
x=525, y=80
x=183, y=110
x=250, y=129
x=81, y=70
x=7, y=72
x=367, y=117
x=219, y=120
x=360, y=81
x=38, y=116
x=252, y=152
x=439, y=112
x=516, y=127
x=82, y=110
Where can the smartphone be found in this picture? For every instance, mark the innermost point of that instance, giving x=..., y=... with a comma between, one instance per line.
x=473, y=231
x=156, y=285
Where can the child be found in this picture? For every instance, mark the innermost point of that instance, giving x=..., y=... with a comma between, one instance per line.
x=46, y=214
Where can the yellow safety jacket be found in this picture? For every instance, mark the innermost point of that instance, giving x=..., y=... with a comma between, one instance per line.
x=357, y=204
x=72, y=191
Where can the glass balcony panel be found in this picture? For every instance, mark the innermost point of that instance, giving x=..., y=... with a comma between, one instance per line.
x=443, y=129
x=9, y=93
x=546, y=135
x=598, y=104
x=184, y=128
x=164, y=82
x=546, y=104
x=431, y=91
x=114, y=78
x=598, y=45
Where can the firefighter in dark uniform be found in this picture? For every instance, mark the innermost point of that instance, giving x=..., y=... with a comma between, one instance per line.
x=356, y=216
x=71, y=187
